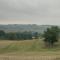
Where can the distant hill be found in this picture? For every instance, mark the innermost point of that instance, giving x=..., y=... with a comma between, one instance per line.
x=24, y=27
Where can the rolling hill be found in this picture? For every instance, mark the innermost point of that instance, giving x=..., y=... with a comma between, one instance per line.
x=24, y=27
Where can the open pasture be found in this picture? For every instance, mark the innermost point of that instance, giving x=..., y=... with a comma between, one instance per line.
x=27, y=50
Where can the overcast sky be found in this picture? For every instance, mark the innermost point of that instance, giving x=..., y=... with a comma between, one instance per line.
x=30, y=12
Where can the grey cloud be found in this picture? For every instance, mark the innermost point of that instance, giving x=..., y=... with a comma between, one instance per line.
x=22, y=6
x=30, y=9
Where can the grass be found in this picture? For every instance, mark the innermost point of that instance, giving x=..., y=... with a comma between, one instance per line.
x=29, y=49
x=26, y=45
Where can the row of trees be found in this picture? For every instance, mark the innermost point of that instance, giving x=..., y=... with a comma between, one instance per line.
x=17, y=35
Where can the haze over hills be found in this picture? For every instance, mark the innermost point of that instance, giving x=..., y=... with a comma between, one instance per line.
x=24, y=27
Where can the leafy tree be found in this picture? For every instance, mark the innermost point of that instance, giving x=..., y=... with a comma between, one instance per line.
x=19, y=35
x=2, y=34
x=27, y=35
x=36, y=35
x=51, y=36
x=11, y=36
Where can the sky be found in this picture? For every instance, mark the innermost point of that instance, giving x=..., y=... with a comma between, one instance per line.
x=41, y=12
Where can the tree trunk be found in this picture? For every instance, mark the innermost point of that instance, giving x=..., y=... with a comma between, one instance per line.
x=51, y=45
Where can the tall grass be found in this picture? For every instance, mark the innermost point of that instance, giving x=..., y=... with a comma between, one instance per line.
x=26, y=46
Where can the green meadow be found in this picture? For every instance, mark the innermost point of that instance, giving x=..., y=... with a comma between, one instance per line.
x=29, y=49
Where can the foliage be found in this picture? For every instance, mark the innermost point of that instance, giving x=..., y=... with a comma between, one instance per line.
x=35, y=34
x=17, y=35
x=51, y=36
x=2, y=34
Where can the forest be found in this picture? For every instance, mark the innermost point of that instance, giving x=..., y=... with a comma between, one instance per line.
x=18, y=35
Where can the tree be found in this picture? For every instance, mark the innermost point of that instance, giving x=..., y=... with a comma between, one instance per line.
x=19, y=36
x=27, y=35
x=35, y=34
x=51, y=36
x=2, y=34
x=11, y=36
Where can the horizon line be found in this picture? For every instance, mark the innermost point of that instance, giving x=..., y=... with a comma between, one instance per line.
x=30, y=24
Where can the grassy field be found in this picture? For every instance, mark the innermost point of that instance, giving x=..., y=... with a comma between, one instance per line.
x=28, y=50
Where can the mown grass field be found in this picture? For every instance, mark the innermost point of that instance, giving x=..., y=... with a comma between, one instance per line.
x=28, y=50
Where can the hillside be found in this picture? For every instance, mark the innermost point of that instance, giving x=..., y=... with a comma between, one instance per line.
x=24, y=27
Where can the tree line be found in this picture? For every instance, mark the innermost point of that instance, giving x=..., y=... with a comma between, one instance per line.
x=18, y=35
